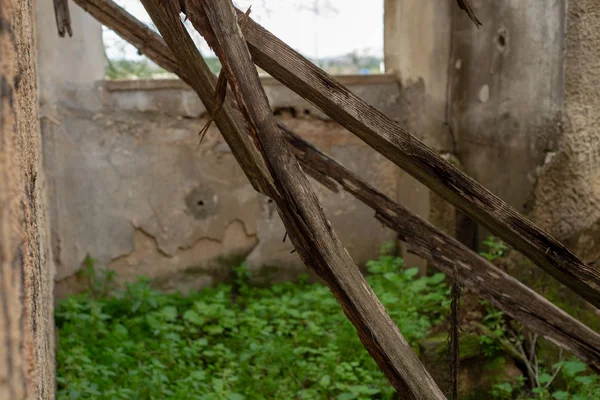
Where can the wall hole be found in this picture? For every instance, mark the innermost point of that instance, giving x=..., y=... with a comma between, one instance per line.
x=202, y=202
x=285, y=111
x=501, y=40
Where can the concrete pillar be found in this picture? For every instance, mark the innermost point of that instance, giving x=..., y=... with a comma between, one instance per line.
x=69, y=69
x=417, y=50
x=506, y=93
x=417, y=46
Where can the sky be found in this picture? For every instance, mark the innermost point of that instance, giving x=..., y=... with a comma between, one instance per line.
x=342, y=27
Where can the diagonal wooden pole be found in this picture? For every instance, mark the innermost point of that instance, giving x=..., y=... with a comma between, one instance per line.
x=479, y=275
x=402, y=148
x=485, y=279
x=298, y=206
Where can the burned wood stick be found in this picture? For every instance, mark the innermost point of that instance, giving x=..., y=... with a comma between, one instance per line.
x=531, y=309
x=426, y=165
x=299, y=208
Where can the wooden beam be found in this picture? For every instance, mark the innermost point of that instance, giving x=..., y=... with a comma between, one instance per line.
x=476, y=273
x=426, y=165
x=27, y=368
x=133, y=31
x=479, y=275
x=299, y=209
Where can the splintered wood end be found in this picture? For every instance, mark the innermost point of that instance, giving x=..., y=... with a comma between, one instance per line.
x=194, y=11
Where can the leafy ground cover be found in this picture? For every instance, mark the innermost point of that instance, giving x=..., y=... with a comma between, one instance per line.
x=289, y=341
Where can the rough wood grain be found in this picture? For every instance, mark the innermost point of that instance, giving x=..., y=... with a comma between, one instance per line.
x=359, y=302
x=531, y=309
x=399, y=146
x=302, y=215
x=26, y=327
x=482, y=277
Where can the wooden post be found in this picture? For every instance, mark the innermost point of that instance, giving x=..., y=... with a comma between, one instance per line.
x=26, y=318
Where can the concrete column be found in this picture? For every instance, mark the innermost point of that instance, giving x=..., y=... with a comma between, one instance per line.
x=417, y=47
x=506, y=92
x=417, y=50
x=68, y=71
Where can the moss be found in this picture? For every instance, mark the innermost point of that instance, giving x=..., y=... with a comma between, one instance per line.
x=231, y=261
x=477, y=394
x=468, y=342
x=267, y=271
x=470, y=347
x=477, y=373
x=497, y=364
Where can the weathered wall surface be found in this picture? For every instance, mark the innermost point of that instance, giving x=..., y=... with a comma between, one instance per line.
x=26, y=329
x=132, y=187
x=567, y=195
x=416, y=50
x=506, y=92
x=525, y=90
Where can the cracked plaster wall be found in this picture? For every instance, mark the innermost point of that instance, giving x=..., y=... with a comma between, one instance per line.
x=130, y=186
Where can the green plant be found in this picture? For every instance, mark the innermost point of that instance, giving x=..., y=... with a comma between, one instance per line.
x=574, y=386
x=507, y=390
x=496, y=249
x=494, y=319
x=234, y=341
x=98, y=282
x=505, y=335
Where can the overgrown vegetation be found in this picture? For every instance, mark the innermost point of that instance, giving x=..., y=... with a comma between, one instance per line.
x=233, y=341
x=288, y=341
x=544, y=380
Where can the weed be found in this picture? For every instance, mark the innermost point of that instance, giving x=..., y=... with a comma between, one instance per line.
x=234, y=341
